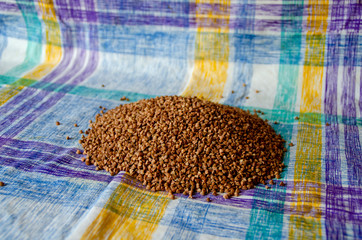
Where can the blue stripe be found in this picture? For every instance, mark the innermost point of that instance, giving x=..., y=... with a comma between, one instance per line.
x=55, y=204
x=68, y=111
x=144, y=41
x=190, y=219
x=44, y=189
x=244, y=47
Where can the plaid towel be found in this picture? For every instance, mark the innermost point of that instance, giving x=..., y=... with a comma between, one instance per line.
x=60, y=60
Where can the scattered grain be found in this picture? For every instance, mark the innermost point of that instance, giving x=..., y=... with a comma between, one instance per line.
x=246, y=97
x=328, y=124
x=2, y=184
x=123, y=98
x=79, y=152
x=296, y=118
x=208, y=200
x=232, y=92
x=291, y=144
x=282, y=184
x=67, y=137
x=75, y=125
x=57, y=123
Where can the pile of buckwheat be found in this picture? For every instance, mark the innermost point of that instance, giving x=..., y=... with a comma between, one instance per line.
x=185, y=145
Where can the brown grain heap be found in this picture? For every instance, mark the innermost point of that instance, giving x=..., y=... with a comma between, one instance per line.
x=184, y=145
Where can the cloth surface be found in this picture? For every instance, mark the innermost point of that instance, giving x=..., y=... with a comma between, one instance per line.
x=60, y=60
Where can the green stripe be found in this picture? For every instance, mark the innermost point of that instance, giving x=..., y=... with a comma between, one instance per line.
x=108, y=94
x=269, y=224
x=16, y=81
x=33, y=50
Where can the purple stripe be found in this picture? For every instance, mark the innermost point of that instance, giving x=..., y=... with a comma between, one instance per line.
x=52, y=169
x=67, y=56
x=8, y=7
x=38, y=146
x=192, y=8
x=70, y=73
x=335, y=223
x=36, y=156
x=90, y=5
x=205, y=8
x=34, y=152
x=190, y=20
x=353, y=149
x=52, y=163
x=92, y=62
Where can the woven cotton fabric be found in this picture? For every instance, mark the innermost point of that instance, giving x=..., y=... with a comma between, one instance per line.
x=62, y=59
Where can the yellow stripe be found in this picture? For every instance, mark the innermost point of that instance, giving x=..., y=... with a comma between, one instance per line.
x=211, y=54
x=130, y=213
x=306, y=223
x=53, y=50
x=8, y=92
